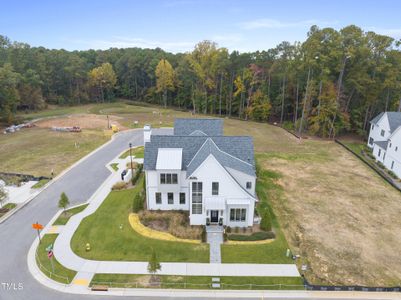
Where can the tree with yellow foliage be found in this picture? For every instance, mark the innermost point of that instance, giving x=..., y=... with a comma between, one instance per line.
x=104, y=79
x=165, y=78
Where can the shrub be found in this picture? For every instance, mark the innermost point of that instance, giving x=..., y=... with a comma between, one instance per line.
x=392, y=174
x=138, y=203
x=134, y=165
x=257, y=236
x=381, y=166
x=119, y=186
x=236, y=229
x=225, y=237
x=137, y=173
x=173, y=222
x=204, y=234
x=266, y=223
x=228, y=229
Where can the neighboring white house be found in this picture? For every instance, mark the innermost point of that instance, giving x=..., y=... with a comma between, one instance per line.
x=385, y=140
x=199, y=170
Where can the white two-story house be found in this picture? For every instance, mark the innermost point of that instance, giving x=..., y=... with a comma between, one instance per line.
x=200, y=170
x=385, y=140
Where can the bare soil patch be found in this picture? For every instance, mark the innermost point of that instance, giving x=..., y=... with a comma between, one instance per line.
x=85, y=121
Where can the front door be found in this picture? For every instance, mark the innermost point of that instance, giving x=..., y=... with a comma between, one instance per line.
x=214, y=216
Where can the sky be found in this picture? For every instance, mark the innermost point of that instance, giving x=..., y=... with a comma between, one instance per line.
x=177, y=25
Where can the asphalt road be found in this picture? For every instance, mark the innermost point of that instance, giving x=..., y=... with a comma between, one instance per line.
x=16, y=234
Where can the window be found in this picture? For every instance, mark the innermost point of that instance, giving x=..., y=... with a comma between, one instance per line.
x=392, y=165
x=196, y=198
x=238, y=214
x=170, y=198
x=382, y=132
x=215, y=188
x=373, y=126
x=396, y=148
x=249, y=185
x=370, y=141
x=384, y=155
x=158, y=198
x=380, y=151
x=168, y=178
x=182, y=198
x=389, y=145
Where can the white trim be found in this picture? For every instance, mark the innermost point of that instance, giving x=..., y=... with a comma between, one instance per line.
x=229, y=175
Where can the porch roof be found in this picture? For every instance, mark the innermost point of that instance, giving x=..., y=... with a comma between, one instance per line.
x=237, y=201
x=218, y=203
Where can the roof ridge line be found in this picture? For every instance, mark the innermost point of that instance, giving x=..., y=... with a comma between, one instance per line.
x=230, y=154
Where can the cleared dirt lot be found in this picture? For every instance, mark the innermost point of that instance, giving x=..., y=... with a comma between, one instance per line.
x=341, y=217
x=85, y=121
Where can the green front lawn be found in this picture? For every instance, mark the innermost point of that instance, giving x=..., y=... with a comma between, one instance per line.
x=199, y=282
x=65, y=216
x=8, y=206
x=114, y=166
x=270, y=253
x=40, y=183
x=60, y=274
x=138, y=152
x=109, y=242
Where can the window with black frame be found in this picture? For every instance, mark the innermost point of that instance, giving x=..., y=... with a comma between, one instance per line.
x=197, y=198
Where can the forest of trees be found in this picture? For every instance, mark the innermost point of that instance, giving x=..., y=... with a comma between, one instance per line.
x=332, y=83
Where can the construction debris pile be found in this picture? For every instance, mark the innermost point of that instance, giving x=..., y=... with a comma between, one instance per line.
x=67, y=129
x=14, y=128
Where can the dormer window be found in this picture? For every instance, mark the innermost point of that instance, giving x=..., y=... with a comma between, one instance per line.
x=167, y=178
x=382, y=132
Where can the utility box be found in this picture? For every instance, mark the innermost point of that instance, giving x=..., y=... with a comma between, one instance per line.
x=147, y=132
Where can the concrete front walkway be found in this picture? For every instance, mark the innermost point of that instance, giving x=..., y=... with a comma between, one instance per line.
x=215, y=239
x=65, y=255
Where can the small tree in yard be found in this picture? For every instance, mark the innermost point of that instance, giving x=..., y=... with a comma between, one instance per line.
x=3, y=195
x=138, y=203
x=266, y=223
x=63, y=202
x=154, y=265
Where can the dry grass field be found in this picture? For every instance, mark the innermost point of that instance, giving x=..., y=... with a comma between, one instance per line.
x=341, y=217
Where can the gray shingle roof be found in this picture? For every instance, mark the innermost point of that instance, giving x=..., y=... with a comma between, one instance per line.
x=226, y=160
x=377, y=118
x=210, y=127
x=394, y=119
x=235, y=152
x=382, y=144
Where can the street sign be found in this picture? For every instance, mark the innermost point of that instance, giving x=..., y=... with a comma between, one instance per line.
x=50, y=254
x=37, y=226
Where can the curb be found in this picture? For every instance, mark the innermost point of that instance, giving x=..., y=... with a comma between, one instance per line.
x=12, y=212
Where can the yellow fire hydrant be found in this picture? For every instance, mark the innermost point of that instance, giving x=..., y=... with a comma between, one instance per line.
x=88, y=247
